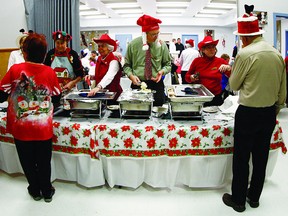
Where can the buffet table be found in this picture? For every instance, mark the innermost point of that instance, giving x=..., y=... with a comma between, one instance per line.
x=130, y=152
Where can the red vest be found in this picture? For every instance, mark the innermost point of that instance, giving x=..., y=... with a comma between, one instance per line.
x=102, y=67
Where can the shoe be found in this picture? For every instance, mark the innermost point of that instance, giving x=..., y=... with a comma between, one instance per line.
x=49, y=198
x=252, y=204
x=35, y=196
x=227, y=199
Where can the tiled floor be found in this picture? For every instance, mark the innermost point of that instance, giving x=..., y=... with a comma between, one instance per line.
x=71, y=199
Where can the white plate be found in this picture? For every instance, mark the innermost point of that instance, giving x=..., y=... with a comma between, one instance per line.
x=210, y=109
x=113, y=107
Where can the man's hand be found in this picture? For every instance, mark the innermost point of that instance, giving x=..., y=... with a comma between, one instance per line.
x=158, y=77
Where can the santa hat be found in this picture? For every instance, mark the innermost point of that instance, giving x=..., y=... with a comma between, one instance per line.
x=147, y=23
x=190, y=42
x=20, y=98
x=106, y=39
x=208, y=40
x=61, y=35
x=248, y=24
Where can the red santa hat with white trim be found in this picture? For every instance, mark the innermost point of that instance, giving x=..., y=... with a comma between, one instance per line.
x=147, y=23
x=248, y=24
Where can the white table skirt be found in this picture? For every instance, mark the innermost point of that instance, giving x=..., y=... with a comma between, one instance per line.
x=77, y=168
x=166, y=172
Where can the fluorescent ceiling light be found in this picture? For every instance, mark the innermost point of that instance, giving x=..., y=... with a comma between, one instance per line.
x=131, y=15
x=172, y=4
x=122, y=5
x=221, y=5
x=170, y=10
x=91, y=12
x=206, y=15
x=96, y=17
x=207, y=11
x=84, y=7
x=128, y=11
x=168, y=15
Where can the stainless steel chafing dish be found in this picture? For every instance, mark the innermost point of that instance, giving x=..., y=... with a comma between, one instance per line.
x=82, y=105
x=185, y=103
x=136, y=103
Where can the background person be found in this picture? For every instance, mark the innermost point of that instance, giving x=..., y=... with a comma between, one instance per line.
x=207, y=70
x=31, y=89
x=16, y=56
x=259, y=73
x=186, y=58
x=65, y=61
x=147, y=60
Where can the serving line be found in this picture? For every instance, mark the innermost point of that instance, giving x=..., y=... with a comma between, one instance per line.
x=130, y=152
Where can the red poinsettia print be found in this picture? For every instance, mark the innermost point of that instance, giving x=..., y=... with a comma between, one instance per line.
x=2, y=130
x=55, y=138
x=216, y=127
x=73, y=141
x=125, y=128
x=113, y=133
x=86, y=133
x=276, y=136
x=204, y=132
x=226, y=131
x=159, y=133
x=106, y=142
x=149, y=128
x=173, y=142
x=102, y=127
x=171, y=127
x=196, y=142
x=56, y=124
x=76, y=126
x=151, y=143
x=66, y=130
x=128, y=143
x=218, y=141
x=182, y=133
x=194, y=128
x=136, y=134
x=92, y=143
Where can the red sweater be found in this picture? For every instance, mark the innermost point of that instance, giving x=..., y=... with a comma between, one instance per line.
x=209, y=76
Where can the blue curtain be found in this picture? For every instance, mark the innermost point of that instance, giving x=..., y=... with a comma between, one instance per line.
x=47, y=16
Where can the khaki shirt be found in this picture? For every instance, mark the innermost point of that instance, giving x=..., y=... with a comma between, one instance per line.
x=259, y=73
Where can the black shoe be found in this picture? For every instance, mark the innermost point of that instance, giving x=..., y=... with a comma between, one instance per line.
x=227, y=199
x=35, y=196
x=252, y=204
x=49, y=197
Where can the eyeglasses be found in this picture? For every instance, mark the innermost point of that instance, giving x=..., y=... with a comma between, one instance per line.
x=154, y=35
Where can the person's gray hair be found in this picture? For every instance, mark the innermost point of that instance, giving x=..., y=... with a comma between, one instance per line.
x=110, y=47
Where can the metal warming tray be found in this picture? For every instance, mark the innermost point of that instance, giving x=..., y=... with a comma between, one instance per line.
x=135, y=103
x=183, y=103
x=80, y=103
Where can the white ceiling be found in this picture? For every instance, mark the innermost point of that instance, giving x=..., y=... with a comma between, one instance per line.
x=162, y=9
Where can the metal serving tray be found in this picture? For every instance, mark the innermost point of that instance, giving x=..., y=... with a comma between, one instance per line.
x=135, y=103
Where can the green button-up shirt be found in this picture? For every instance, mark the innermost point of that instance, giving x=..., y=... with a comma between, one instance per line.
x=135, y=59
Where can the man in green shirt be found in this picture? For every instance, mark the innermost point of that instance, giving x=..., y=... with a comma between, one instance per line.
x=147, y=59
x=259, y=74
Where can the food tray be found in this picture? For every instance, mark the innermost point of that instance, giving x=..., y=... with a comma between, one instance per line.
x=176, y=93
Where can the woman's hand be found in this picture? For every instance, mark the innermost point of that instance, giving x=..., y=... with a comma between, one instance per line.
x=195, y=77
x=93, y=91
x=224, y=68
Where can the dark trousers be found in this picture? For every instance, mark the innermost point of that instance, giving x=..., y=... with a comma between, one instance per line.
x=252, y=135
x=183, y=74
x=216, y=101
x=159, y=95
x=35, y=159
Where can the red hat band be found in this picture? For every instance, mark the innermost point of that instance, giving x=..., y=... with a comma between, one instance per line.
x=248, y=27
